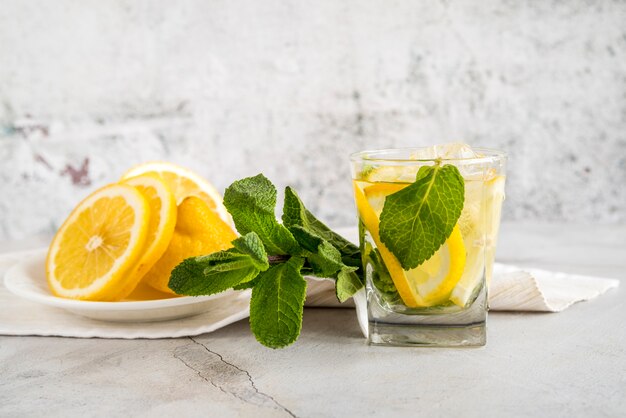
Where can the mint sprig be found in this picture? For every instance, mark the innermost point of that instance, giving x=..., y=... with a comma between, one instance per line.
x=251, y=202
x=221, y=270
x=417, y=220
x=295, y=214
x=271, y=259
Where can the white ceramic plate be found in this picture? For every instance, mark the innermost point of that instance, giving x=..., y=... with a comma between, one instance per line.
x=28, y=280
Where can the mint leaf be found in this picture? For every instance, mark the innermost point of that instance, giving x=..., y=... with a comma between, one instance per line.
x=323, y=258
x=246, y=285
x=251, y=202
x=296, y=214
x=348, y=283
x=276, y=304
x=214, y=273
x=252, y=245
x=417, y=220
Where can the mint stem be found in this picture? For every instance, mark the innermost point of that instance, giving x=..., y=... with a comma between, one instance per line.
x=277, y=259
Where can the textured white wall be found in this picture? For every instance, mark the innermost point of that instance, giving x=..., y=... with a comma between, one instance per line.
x=290, y=88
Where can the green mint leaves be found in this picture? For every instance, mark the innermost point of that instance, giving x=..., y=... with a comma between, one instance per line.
x=295, y=214
x=276, y=304
x=214, y=273
x=271, y=258
x=251, y=202
x=417, y=220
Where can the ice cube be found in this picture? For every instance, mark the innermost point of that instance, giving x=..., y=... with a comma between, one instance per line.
x=461, y=155
x=453, y=150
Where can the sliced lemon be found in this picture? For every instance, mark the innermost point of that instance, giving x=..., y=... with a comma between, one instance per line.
x=102, y=239
x=391, y=174
x=431, y=282
x=378, y=192
x=162, y=219
x=145, y=292
x=199, y=231
x=436, y=277
x=183, y=183
x=368, y=216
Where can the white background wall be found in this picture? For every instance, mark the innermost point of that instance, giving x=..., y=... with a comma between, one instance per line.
x=290, y=88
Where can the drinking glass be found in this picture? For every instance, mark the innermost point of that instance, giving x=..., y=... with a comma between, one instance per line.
x=450, y=302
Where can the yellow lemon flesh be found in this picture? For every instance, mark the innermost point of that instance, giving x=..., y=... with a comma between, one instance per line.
x=183, y=183
x=162, y=219
x=431, y=282
x=436, y=277
x=199, y=231
x=368, y=216
x=98, y=244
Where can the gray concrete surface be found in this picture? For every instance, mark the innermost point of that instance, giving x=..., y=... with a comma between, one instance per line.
x=534, y=365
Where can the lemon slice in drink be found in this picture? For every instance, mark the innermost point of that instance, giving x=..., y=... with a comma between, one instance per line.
x=98, y=244
x=436, y=277
x=368, y=216
x=431, y=282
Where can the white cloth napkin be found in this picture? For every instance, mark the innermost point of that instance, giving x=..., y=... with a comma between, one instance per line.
x=512, y=289
x=528, y=289
x=19, y=316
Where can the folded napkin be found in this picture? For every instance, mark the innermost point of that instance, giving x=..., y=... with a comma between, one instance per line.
x=512, y=289
x=19, y=316
x=528, y=289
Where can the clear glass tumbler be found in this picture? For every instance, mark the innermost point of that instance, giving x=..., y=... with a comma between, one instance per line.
x=443, y=301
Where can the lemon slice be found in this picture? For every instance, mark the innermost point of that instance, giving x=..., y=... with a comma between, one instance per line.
x=162, y=219
x=199, y=231
x=99, y=242
x=431, y=282
x=436, y=277
x=378, y=192
x=184, y=183
x=368, y=216
x=391, y=174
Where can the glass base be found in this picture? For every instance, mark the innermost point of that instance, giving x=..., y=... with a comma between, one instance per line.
x=473, y=335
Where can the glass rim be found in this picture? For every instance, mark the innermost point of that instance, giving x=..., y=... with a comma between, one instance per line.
x=378, y=156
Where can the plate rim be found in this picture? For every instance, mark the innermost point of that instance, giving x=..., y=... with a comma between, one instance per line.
x=19, y=270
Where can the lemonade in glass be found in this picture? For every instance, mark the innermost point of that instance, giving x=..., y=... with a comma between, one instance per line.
x=428, y=226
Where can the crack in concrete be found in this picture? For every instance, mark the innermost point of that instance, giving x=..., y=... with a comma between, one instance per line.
x=234, y=366
x=199, y=373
